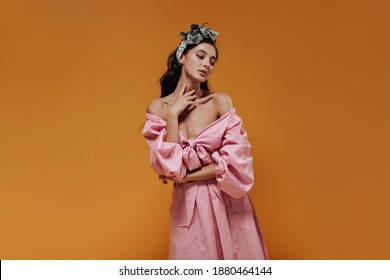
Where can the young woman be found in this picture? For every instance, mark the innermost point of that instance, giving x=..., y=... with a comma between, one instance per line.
x=196, y=140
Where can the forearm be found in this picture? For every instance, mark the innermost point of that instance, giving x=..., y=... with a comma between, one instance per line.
x=204, y=173
x=172, y=128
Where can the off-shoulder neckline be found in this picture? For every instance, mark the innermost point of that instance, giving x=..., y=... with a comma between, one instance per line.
x=159, y=119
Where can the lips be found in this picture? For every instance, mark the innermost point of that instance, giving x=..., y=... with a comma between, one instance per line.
x=203, y=71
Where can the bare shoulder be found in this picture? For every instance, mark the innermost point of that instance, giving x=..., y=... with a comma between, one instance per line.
x=223, y=102
x=156, y=107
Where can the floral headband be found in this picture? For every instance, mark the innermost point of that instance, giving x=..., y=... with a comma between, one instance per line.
x=195, y=36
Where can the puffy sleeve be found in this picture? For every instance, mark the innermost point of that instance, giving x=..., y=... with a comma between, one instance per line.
x=233, y=162
x=165, y=157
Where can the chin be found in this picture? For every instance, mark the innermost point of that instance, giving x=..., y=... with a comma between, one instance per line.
x=196, y=77
x=199, y=80
x=203, y=79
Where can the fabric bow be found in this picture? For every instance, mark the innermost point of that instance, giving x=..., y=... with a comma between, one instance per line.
x=195, y=155
x=198, y=33
x=195, y=36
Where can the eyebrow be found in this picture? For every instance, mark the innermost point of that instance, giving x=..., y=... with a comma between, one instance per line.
x=206, y=53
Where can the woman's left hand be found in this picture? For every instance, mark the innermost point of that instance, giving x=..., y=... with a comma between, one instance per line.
x=164, y=179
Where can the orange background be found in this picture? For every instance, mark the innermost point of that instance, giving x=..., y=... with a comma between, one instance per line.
x=310, y=79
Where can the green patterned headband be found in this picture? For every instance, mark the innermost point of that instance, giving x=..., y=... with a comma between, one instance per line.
x=195, y=36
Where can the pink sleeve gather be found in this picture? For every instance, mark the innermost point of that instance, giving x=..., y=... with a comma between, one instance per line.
x=165, y=157
x=233, y=162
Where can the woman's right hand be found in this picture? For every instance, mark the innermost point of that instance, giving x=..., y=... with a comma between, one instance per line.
x=183, y=100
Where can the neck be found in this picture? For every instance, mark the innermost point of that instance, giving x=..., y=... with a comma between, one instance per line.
x=190, y=85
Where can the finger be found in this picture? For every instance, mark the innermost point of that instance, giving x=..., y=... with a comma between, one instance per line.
x=192, y=91
x=169, y=178
x=191, y=97
x=191, y=107
x=188, y=93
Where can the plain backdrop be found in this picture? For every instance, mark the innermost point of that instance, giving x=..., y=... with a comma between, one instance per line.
x=310, y=79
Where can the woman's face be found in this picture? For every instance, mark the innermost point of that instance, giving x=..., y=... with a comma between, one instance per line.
x=199, y=61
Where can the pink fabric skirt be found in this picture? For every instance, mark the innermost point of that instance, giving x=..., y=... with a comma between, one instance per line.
x=208, y=224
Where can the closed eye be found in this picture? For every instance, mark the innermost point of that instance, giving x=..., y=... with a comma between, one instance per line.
x=201, y=57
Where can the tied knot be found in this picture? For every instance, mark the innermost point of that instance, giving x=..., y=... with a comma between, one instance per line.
x=195, y=155
x=195, y=36
x=191, y=143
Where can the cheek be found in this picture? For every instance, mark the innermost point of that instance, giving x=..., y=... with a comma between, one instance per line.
x=191, y=62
